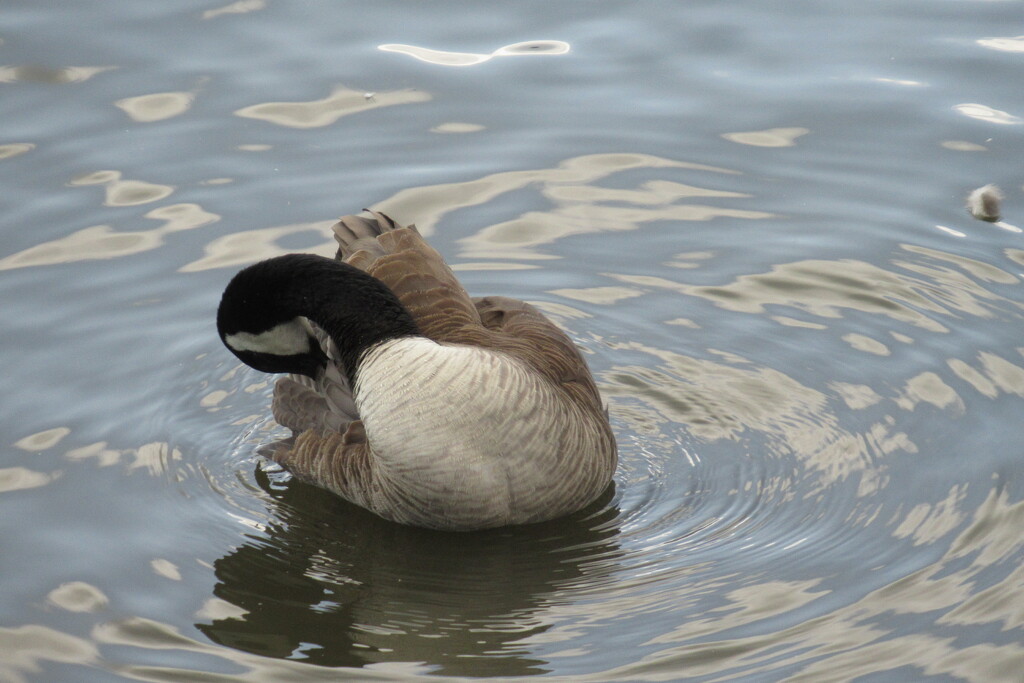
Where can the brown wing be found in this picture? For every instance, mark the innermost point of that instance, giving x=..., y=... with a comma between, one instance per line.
x=337, y=462
x=444, y=312
x=412, y=269
x=525, y=332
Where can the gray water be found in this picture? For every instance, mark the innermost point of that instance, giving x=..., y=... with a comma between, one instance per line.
x=749, y=216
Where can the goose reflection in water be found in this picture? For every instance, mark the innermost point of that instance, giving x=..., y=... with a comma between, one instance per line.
x=333, y=585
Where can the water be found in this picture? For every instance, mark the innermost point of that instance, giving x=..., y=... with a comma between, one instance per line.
x=750, y=217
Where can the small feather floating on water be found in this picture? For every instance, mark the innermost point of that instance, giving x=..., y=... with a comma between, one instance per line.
x=983, y=203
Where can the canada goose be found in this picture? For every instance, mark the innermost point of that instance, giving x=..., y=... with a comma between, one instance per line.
x=411, y=399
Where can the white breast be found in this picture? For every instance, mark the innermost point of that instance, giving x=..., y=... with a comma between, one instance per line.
x=460, y=428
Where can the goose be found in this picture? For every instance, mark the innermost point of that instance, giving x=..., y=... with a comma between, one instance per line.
x=409, y=398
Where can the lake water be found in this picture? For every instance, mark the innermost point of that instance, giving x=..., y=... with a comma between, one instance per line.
x=749, y=215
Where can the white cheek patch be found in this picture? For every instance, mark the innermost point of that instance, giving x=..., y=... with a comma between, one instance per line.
x=286, y=339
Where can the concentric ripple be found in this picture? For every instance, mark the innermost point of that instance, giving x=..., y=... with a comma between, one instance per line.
x=752, y=227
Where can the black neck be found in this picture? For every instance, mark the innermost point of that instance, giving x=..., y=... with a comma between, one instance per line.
x=355, y=309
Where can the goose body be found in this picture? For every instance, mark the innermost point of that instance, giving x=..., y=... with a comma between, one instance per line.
x=411, y=399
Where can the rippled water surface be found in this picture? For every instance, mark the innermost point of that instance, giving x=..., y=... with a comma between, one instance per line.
x=750, y=217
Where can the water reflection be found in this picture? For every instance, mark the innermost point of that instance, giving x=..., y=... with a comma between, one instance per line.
x=248, y=246
x=239, y=7
x=824, y=288
x=448, y=58
x=35, y=73
x=964, y=146
x=120, y=192
x=78, y=596
x=572, y=185
x=329, y=584
x=983, y=112
x=1015, y=44
x=103, y=242
x=156, y=106
x=318, y=113
x=775, y=137
x=457, y=127
x=18, y=478
x=14, y=149
x=41, y=441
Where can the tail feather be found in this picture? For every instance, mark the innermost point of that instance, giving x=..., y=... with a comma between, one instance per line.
x=358, y=233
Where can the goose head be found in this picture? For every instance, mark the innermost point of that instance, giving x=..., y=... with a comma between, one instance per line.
x=265, y=313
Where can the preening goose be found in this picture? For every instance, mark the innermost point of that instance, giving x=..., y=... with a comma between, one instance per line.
x=411, y=399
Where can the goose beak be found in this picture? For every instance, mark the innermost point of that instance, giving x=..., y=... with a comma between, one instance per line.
x=314, y=363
